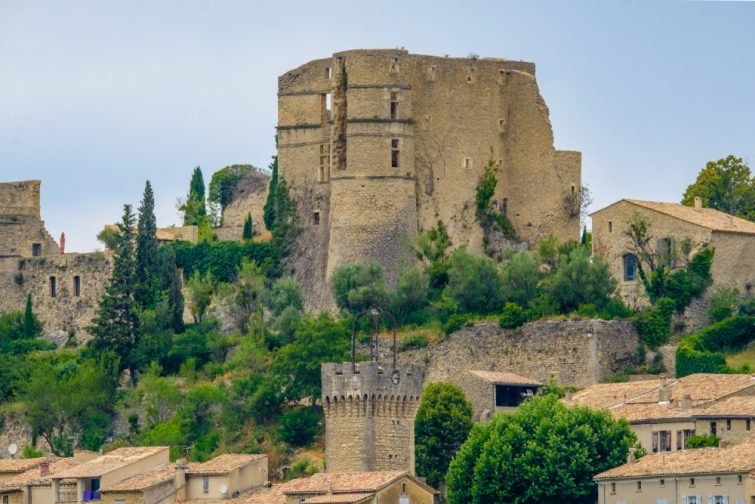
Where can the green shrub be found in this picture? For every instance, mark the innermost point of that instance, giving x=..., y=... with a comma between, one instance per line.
x=456, y=322
x=654, y=323
x=474, y=284
x=513, y=316
x=703, y=352
x=413, y=341
x=723, y=303
x=302, y=468
x=357, y=287
x=299, y=426
x=702, y=441
x=223, y=259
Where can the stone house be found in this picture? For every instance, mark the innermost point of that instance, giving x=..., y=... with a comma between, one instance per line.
x=378, y=145
x=677, y=232
x=377, y=487
x=705, y=475
x=491, y=392
x=10, y=468
x=225, y=476
x=664, y=414
x=35, y=483
x=732, y=420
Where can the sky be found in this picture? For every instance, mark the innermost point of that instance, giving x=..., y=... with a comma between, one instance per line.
x=98, y=96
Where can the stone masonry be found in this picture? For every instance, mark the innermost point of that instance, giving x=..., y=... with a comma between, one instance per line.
x=369, y=416
x=378, y=145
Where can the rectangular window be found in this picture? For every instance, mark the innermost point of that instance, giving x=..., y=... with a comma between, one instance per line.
x=667, y=252
x=718, y=480
x=328, y=73
x=692, y=482
x=316, y=218
x=661, y=501
x=719, y=499
x=53, y=287
x=613, y=488
x=639, y=486
x=118, y=501
x=728, y=424
x=205, y=484
x=656, y=443
x=325, y=114
x=324, y=162
x=77, y=286
x=662, y=482
x=512, y=395
x=394, y=105
x=36, y=251
x=467, y=164
x=610, y=226
x=713, y=428
x=747, y=424
x=5, y=499
x=394, y=153
x=630, y=267
x=665, y=440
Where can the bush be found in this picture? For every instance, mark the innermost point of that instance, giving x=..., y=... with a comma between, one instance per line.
x=357, y=287
x=723, y=303
x=703, y=352
x=520, y=278
x=513, y=316
x=223, y=259
x=286, y=293
x=702, y=441
x=473, y=283
x=300, y=426
x=456, y=322
x=654, y=324
x=413, y=341
x=411, y=293
x=580, y=279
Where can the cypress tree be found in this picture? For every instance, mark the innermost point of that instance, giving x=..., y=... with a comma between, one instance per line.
x=194, y=208
x=170, y=282
x=30, y=323
x=116, y=325
x=248, y=228
x=146, y=251
x=272, y=196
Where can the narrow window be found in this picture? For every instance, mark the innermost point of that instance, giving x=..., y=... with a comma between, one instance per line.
x=501, y=76
x=573, y=189
x=205, y=484
x=77, y=286
x=394, y=105
x=739, y=479
x=394, y=153
x=403, y=488
x=316, y=218
x=630, y=267
x=53, y=287
x=679, y=440
x=718, y=480
x=639, y=486
x=747, y=424
x=610, y=226
x=36, y=251
x=505, y=206
x=394, y=66
x=324, y=162
x=426, y=123
x=5, y=499
x=613, y=488
x=467, y=164
x=663, y=482
x=728, y=424
x=713, y=428
x=692, y=482
x=328, y=73
x=501, y=125
x=656, y=439
x=431, y=73
x=325, y=114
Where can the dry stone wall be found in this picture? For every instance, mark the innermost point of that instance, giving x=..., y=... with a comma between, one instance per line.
x=249, y=197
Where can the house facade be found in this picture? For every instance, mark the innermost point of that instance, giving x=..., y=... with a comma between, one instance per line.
x=491, y=392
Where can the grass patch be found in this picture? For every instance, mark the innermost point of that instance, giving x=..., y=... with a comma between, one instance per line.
x=744, y=358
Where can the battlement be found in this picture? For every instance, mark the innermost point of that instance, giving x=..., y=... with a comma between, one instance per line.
x=20, y=199
x=371, y=381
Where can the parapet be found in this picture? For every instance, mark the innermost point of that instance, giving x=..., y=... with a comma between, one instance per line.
x=20, y=199
x=370, y=380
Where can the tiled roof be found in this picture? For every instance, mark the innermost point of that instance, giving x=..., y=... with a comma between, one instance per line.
x=33, y=476
x=506, y=378
x=605, y=395
x=343, y=482
x=739, y=458
x=223, y=464
x=705, y=217
x=649, y=412
x=110, y=462
x=19, y=465
x=738, y=406
x=262, y=495
x=351, y=498
x=143, y=481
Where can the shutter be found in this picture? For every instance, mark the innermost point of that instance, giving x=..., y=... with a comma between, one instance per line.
x=659, y=248
x=710, y=500
x=684, y=500
x=672, y=252
x=726, y=499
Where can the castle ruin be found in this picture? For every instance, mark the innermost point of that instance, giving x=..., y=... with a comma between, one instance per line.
x=378, y=145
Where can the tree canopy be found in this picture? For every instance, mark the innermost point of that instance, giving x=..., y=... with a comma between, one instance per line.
x=726, y=185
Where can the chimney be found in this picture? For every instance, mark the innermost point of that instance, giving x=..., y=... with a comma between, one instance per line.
x=686, y=402
x=663, y=395
x=663, y=380
x=180, y=479
x=44, y=469
x=631, y=459
x=698, y=203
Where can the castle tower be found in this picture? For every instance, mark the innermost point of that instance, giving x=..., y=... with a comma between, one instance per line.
x=369, y=416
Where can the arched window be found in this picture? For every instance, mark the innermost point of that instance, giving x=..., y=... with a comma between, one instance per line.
x=630, y=267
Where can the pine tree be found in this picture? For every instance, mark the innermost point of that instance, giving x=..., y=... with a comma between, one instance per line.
x=146, y=251
x=116, y=325
x=170, y=282
x=248, y=228
x=272, y=194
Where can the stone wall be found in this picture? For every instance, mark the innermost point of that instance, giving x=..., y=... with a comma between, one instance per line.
x=14, y=429
x=70, y=310
x=22, y=232
x=378, y=145
x=369, y=416
x=575, y=352
x=249, y=197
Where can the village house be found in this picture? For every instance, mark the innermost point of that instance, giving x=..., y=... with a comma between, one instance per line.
x=703, y=475
x=677, y=233
x=376, y=487
x=491, y=392
x=665, y=413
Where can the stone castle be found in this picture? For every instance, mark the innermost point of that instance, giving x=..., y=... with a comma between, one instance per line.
x=378, y=145
x=65, y=288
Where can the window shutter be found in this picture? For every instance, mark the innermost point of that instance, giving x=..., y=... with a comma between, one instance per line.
x=672, y=251
x=684, y=500
x=726, y=499
x=659, y=248
x=710, y=500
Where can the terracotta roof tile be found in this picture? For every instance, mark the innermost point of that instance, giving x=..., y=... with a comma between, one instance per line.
x=33, y=476
x=110, y=462
x=262, y=495
x=705, y=217
x=343, y=482
x=143, y=481
x=738, y=406
x=506, y=378
x=605, y=395
x=19, y=465
x=351, y=498
x=739, y=458
x=223, y=464
x=648, y=412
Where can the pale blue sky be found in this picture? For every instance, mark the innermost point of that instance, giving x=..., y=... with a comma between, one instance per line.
x=98, y=96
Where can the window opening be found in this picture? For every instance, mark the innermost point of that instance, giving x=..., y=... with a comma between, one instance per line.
x=505, y=206
x=77, y=286
x=205, y=484
x=326, y=104
x=328, y=73
x=36, y=251
x=394, y=153
x=639, y=485
x=316, y=218
x=432, y=72
x=467, y=164
x=747, y=424
x=713, y=428
x=512, y=395
x=630, y=267
x=728, y=424
x=324, y=161
x=613, y=487
x=53, y=287
x=667, y=252
x=501, y=76
x=394, y=105
x=610, y=226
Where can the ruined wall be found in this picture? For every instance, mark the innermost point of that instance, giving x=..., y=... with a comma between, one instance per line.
x=576, y=352
x=377, y=145
x=249, y=196
x=369, y=418
x=69, y=310
x=22, y=232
